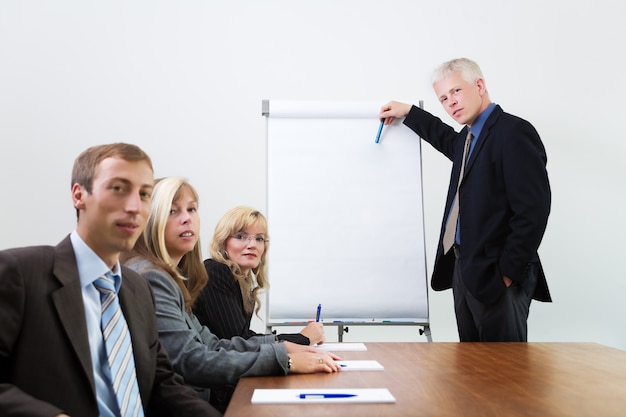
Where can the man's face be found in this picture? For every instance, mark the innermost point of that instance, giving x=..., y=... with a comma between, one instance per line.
x=462, y=100
x=114, y=215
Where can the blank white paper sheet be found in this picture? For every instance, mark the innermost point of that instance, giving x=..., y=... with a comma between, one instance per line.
x=342, y=347
x=360, y=366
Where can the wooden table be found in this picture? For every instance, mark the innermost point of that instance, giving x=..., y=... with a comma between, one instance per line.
x=464, y=379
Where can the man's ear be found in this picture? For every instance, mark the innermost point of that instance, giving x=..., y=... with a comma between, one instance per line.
x=78, y=196
x=482, y=87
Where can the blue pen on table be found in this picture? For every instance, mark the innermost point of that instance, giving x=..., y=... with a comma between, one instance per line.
x=380, y=130
x=319, y=312
x=330, y=395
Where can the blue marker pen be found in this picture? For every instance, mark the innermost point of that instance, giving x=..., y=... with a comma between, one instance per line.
x=380, y=130
x=319, y=312
x=329, y=395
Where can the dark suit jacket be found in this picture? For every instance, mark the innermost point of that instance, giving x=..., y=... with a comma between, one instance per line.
x=45, y=362
x=504, y=203
x=220, y=307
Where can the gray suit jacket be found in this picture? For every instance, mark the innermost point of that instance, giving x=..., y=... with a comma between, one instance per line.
x=45, y=362
x=198, y=355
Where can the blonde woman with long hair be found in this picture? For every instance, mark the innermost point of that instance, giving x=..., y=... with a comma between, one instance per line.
x=238, y=273
x=168, y=256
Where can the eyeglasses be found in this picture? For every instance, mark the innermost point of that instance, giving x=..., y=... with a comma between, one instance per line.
x=245, y=238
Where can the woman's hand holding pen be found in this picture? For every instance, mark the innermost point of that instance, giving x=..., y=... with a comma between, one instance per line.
x=315, y=332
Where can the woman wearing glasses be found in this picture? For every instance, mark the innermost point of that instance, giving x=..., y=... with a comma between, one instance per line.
x=168, y=256
x=237, y=274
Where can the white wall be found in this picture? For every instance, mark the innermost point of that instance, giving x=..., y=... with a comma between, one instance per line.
x=184, y=79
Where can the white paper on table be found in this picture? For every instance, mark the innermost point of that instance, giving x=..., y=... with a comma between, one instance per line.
x=360, y=365
x=342, y=347
x=315, y=396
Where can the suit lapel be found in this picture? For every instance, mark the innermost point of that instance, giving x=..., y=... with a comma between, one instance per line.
x=133, y=306
x=69, y=305
x=136, y=306
x=483, y=138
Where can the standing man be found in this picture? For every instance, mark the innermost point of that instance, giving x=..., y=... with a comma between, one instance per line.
x=497, y=206
x=56, y=308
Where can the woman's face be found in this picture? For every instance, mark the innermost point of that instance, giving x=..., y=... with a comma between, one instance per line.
x=182, y=230
x=246, y=247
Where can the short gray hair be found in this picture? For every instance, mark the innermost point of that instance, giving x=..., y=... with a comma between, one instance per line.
x=470, y=71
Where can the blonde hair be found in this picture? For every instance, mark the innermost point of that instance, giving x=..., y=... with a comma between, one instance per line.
x=190, y=274
x=235, y=221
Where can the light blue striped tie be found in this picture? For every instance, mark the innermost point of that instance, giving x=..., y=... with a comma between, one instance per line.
x=119, y=349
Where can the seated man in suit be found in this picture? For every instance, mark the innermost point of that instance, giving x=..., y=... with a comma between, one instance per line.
x=55, y=305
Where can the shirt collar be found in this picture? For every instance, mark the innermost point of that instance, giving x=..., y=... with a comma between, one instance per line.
x=478, y=125
x=90, y=266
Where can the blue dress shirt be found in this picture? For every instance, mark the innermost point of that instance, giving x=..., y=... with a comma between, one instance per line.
x=476, y=129
x=90, y=268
